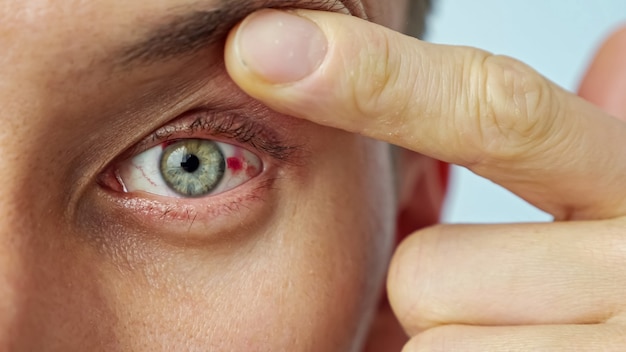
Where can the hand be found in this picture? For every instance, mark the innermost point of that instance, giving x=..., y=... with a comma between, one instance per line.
x=522, y=287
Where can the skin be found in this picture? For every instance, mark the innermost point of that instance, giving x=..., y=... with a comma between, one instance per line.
x=292, y=260
x=555, y=286
x=300, y=266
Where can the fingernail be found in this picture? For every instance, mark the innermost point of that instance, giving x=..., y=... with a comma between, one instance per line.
x=281, y=47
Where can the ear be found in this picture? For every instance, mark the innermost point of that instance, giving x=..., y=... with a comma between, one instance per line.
x=605, y=81
x=422, y=188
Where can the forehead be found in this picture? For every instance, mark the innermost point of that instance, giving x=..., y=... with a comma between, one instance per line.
x=77, y=36
x=14, y=12
x=27, y=14
x=95, y=26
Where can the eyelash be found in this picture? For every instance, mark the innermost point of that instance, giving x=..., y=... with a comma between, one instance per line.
x=225, y=125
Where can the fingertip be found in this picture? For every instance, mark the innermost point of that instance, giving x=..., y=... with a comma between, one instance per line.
x=277, y=57
x=278, y=47
x=408, y=282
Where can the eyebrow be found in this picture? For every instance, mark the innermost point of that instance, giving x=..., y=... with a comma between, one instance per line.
x=187, y=33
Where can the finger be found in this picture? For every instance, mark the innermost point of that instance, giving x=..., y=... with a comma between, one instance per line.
x=461, y=105
x=605, y=81
x=562, y=273
x=555, y=338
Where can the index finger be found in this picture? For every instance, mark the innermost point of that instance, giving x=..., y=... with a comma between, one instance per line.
x=462, y=105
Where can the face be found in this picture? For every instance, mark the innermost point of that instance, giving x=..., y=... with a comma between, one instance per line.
x=147, y=204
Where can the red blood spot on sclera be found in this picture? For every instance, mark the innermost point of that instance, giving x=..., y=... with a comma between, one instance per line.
x=234, y=164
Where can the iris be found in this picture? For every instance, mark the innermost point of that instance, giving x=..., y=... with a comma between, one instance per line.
x=192, y=167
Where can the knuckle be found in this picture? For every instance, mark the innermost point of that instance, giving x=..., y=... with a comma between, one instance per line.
x=515, y=108
x=411, y=281
x=375, y=75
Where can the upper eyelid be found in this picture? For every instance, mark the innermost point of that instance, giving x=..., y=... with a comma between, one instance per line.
x=230, y=125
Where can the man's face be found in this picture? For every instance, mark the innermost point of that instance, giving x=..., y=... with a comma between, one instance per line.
x=123, y=227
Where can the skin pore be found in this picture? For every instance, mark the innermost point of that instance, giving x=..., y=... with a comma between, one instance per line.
x=292, y=259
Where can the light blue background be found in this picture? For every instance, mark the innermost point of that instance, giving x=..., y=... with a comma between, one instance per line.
x=556, y=37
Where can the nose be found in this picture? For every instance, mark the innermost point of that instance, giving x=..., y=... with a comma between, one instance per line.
x=19, y=253
x=51, y=294
x=51, y=297
x=12, y=276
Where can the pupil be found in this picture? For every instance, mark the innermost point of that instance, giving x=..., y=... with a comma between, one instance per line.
x=190, y=163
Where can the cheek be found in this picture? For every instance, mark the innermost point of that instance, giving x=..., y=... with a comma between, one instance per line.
x=336, y=237
x=308, y=279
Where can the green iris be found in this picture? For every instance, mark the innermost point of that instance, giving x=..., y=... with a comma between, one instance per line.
x=192, y=167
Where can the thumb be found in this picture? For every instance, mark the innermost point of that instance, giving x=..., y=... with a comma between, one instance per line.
x=461, y=105
x=604, y=83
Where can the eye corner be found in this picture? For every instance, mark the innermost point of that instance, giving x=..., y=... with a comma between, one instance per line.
x=110, y=179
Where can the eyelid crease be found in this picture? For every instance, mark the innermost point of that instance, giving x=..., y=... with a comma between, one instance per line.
x=228, y=125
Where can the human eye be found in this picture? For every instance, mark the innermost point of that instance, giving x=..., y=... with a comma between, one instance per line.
x=199, y=168
x=188, y=168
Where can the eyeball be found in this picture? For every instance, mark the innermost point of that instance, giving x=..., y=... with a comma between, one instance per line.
x=188, y=168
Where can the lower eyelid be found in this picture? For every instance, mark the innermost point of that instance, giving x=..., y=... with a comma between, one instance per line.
x=201, y=219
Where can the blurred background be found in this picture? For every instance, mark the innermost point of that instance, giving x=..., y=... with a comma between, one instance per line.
x=556, y=37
